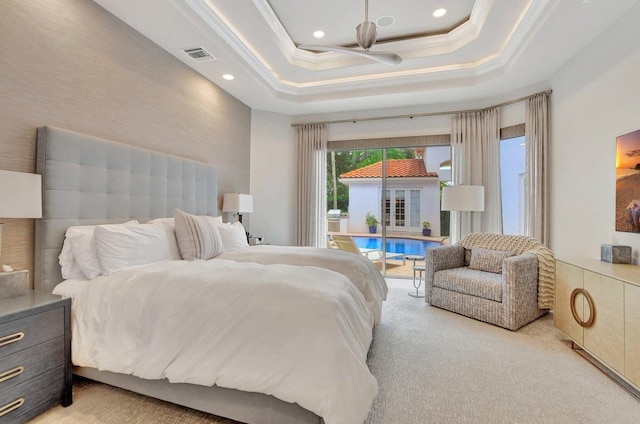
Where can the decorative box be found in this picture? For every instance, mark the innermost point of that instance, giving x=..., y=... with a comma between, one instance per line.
x=615, y=254
x=14, y=283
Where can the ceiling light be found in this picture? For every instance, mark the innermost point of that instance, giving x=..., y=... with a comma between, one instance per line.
x=439, y=13
x=228, y=77
x=446, y=164
x=318, y=34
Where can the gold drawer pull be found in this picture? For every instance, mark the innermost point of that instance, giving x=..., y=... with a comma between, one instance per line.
x=11, y=338
x=8, y=375
x=592, y=310
x=10, y=407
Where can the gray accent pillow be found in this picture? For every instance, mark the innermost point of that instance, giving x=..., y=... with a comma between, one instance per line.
x=487, y=259
x=198, y=236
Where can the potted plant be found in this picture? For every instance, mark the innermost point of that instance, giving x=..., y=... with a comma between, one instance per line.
x=372, y=222
x=426, y=228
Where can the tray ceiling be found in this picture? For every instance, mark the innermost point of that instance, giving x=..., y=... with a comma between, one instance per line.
x=479, y=49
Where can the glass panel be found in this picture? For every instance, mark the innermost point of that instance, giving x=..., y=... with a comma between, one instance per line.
x=415, y=208
x=512, y=170
x=387, y=207
x=354, y=190
x=400, y=208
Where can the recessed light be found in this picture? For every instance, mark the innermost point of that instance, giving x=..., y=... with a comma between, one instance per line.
x=439, y=13
x=228, y=77
x=318, y=34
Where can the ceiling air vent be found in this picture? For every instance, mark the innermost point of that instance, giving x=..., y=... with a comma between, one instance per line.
x=199, y=54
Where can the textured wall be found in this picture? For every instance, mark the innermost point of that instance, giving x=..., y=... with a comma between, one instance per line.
x=596, y=98
x=273, y=184
x=70, y=64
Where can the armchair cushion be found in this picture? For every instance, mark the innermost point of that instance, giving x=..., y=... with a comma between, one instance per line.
x=488, y=260
x=522, y=244
x=472, y=282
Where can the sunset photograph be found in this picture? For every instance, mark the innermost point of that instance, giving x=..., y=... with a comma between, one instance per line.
x=628, y=182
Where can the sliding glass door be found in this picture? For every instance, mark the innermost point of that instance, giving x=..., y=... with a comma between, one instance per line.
x=381, y=198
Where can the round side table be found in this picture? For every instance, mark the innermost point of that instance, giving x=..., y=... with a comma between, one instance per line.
x=416, y=269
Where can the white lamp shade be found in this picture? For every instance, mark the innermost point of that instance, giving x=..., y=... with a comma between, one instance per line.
x=463, y=198
x=21, y=195
x=237, y=203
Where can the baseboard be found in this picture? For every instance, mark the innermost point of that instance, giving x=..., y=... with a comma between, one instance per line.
x=607, y=371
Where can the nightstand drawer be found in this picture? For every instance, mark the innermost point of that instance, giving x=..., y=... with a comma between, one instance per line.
x=21, y=366
x=29, y=331
x=32, y=397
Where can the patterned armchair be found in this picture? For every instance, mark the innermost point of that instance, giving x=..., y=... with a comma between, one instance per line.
x=500, y=279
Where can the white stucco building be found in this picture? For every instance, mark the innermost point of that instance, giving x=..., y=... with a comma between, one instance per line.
x=412, y=193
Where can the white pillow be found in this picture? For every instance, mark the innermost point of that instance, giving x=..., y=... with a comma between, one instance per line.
x=83, y=247
x=131, y=246
x=170, y=229
x=233, y=236
x=198, y=236
x=68, y=265
x=161, y=220
x=170, y=225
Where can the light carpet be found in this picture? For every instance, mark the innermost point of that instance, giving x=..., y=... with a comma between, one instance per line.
x=432, y=366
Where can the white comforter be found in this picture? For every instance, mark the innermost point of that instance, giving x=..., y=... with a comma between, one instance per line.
x=358, y=269
x=298, y=333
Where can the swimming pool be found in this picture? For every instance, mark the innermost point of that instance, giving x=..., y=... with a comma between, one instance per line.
x=396, y=245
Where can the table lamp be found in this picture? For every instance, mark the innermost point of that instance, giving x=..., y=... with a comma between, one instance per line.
x=237, y=203
x=21, y=196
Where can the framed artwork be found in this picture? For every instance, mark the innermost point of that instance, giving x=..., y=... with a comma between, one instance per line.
x=628, y=182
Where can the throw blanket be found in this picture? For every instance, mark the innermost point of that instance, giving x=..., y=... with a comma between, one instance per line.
x=300, y=334
x=362, y=273
x=520, y=245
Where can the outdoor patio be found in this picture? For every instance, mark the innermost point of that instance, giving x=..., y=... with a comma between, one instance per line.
x=396, y=268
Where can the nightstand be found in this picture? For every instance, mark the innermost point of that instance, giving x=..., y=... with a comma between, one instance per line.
x=35, y=355
x=256, y=241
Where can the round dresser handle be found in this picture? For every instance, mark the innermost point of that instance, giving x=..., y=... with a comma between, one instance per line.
x=592, y=311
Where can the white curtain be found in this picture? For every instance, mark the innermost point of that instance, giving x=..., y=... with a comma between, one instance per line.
x=536, y=134
x=475, y=149
x=311, y=222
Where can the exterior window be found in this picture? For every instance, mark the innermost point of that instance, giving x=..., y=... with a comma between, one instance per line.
x=415, y=208
x=512, y=170
x=387, y=207
x=400, y=208
x=397, y=208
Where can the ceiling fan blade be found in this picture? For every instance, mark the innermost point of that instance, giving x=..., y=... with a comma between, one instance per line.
x=387, y=58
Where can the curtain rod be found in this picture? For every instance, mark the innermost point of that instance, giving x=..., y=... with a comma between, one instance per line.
x=420, y=115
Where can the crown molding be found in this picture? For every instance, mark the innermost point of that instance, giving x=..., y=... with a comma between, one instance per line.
x=414, y=50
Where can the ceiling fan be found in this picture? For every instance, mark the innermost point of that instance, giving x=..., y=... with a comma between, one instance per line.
x=366, y=34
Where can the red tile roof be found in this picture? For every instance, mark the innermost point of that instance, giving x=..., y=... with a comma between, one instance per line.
x=396, y=168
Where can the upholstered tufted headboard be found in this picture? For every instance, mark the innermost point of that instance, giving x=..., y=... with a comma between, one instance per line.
x=88, y=180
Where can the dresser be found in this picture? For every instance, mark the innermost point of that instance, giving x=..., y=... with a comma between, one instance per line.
x=35, y=355
x=598, y=307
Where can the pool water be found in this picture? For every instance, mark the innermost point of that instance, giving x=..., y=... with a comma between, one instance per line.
x=396, y=245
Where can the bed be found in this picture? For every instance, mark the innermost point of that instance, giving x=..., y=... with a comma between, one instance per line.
x=91, y=181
